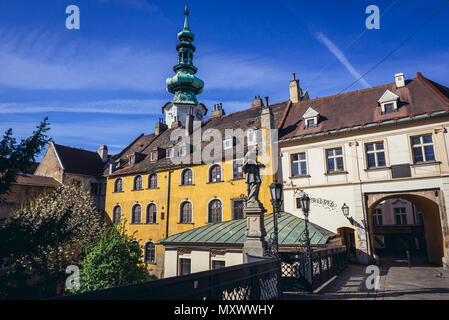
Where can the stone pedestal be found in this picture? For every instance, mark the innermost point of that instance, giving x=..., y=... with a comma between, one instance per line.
x=255, y=244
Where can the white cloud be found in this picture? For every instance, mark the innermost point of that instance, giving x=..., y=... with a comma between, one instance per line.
x=340, y=56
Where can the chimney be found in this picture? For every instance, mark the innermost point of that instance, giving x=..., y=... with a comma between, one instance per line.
x=266, y=102
x=218, y=111
x=399, y=79
x=160, y=126
x=176, y=123
x=189, y=122
x=257, y=102
x=103, y=153
x=295, y=90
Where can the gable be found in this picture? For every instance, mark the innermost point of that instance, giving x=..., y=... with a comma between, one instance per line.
x=388, y=96
x=310, y=113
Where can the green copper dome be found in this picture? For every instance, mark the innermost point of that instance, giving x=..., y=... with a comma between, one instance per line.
x=185, y=85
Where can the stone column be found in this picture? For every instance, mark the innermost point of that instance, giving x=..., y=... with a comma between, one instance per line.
x=255, y=243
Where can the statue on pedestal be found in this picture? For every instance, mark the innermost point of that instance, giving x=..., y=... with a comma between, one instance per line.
x=251, y=169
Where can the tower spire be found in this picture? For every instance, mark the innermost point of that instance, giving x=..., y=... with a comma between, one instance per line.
x=184, y=84
x=186, y=20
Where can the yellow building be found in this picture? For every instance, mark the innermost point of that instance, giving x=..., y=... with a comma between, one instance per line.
x=158, y=198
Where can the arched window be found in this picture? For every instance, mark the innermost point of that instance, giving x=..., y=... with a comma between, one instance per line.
x=118, y=185
x=187, y=177
x=186, y=212
x=152, y=181
x=117, y=215
x=136, y=214
x=215, y=173
x=215, y=211
x=151, y=213
x=138, y=183
x=150, y=252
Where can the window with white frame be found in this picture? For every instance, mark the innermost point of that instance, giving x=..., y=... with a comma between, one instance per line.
x=310, y=123
x=422, y=147
x=170, y=153
x=150, y=252
x=186, y=212
x=375, y=155
x=152, y=181
x=151, y=213
x=153, y=156
x=252, y=137
x=299, y=164
x=215, y=211
x=136, y=215
x=377, y=217
x=138, y=183
x=228, y=142
x=334, y=159
x=117, y=215
x=400, y=215
x=215, y=173
x=237, y=169
x=184, y=266
x=388, y=102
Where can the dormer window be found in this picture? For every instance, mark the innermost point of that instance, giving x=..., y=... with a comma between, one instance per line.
x=310, y=118
x=388, y=102
x=132, y=160
x=252, y=136
x=169, y=153
x=228, y=142
x=182, y=150
x=153, y=156
x=310, y=123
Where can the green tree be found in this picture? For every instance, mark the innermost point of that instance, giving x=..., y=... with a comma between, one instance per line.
x=17, y=157
x=112, y=260
x=41, y=239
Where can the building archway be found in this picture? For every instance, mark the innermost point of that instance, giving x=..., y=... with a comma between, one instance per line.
x=348, y=236
x=431, y=206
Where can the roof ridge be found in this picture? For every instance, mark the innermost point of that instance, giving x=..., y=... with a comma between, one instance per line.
x=75, y=148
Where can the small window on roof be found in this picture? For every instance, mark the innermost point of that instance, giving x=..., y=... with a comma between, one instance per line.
x=228, y=142
x=388, y=102
x=153, y=156
x=170, y=153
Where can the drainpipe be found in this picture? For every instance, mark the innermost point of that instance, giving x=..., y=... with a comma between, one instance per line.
x=168, y=204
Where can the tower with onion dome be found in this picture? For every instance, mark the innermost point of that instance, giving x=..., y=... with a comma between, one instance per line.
x=184, y=85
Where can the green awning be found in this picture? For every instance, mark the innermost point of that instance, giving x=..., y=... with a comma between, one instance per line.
x=291, y=232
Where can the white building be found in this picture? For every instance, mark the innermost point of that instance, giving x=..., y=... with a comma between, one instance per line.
x=363, y=147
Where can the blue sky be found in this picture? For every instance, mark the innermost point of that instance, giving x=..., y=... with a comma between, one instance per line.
x=105, y=83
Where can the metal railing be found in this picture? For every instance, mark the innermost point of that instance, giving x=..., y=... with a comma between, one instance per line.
x=300, y=273
x=252, y=281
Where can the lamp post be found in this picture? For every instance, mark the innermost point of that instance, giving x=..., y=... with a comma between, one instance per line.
x=345, y=210
x=276, y=201
x=305, y=205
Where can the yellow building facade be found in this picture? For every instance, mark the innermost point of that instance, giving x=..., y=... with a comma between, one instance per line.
x=165, y=199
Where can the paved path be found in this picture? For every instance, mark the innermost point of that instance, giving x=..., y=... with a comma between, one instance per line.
x=397, y=282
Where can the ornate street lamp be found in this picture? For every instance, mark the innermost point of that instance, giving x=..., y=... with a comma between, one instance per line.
x=345, y=210
x=276, y=201
x=305, y=206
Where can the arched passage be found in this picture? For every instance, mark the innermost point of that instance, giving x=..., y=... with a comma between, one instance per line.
x=348, y=240
x=428, y=204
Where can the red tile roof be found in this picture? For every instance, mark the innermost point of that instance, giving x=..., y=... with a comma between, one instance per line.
x=145, y=143
x=346, y=110
x=32, y=180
